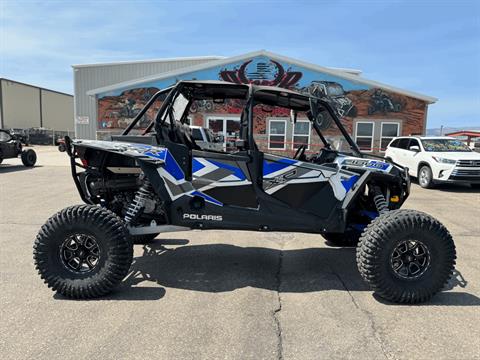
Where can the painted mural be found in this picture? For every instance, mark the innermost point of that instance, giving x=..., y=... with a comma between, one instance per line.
x=351, y=99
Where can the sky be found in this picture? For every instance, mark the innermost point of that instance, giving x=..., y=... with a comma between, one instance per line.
x=427, y=46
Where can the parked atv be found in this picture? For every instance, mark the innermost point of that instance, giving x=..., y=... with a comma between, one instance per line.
x=381, y=102
x=11, y=147
x=135, y=187
x=334, y=92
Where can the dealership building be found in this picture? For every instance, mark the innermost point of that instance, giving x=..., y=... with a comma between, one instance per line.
x=108, y=96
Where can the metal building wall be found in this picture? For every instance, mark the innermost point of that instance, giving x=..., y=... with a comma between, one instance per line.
x=89, y=77
x=21, y=105
x=27, y=106
x=57, y=111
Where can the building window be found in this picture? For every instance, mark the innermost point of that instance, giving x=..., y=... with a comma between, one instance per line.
x=301, y=134
x=228, y=127
x=364, y=135
x=276, y=134
x=389, y=131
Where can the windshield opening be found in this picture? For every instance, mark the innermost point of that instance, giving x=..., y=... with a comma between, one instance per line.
x=4, y=136
x=444, y=145
x=335, y=90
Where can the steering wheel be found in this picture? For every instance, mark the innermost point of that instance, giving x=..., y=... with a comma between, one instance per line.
x=300, y=151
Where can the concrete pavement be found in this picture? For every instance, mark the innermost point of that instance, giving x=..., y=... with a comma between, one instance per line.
x=228, y=295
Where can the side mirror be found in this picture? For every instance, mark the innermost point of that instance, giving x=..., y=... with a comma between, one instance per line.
x=415, y=148
x=219, y=138
x=293, y=116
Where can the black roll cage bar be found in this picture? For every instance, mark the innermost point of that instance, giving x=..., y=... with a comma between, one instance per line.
x=174, y=91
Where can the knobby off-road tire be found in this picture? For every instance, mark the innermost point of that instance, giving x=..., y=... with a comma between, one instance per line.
x=29, y=157
x=406, y=256
x=83, y=251
x=143, y=239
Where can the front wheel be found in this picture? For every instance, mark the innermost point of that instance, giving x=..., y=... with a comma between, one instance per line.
x=425, y=177
x=406, y=256
x=83, y=251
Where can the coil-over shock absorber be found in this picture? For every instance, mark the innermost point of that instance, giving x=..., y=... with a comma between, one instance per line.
x=379, y=200
x=136, y=207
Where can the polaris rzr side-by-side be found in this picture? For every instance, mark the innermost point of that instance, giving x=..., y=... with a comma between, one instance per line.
x=137, y=186
x=11, y=146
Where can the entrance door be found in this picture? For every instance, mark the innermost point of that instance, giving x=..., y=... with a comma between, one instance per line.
x=228, y=127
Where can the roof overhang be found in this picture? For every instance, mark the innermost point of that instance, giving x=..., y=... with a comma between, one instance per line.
x=150, y=61
x=468, y=133
x=341, y=73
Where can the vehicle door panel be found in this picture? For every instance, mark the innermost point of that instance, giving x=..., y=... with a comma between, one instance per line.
x=412, y=158
x=305, y=186
x=224, y=177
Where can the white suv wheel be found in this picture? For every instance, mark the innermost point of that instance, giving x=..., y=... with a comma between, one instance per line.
x=425, y=177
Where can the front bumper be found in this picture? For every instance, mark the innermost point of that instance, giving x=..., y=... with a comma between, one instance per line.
x=456, y=174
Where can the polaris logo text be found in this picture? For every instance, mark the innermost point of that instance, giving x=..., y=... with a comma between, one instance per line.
x=203, y=217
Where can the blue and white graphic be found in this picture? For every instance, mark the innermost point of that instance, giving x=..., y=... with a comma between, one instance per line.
x=279, y=172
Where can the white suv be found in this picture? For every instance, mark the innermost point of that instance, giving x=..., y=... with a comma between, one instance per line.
x=436, y=159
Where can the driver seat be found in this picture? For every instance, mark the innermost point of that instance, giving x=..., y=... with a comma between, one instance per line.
x=183, y=135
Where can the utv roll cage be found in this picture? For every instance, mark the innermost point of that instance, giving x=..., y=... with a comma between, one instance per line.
x=220, y=91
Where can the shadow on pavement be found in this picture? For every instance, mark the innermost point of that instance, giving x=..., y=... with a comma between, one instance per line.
x=454, y=188
x=446, y=298
x=6, y=168
x=221, y=268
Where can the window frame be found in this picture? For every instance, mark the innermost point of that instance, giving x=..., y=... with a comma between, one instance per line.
x=309, y=133
x=418, y=144
x=270, y=121
x=388, y=137
x=404, y=139
x=397, y=140
x=363, y=136
x=224, y=118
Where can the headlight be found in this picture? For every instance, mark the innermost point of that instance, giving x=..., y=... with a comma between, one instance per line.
x=443, y=160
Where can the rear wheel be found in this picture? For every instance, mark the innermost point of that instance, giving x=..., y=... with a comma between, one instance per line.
x=83, y=251
x=474, y=186
x=29, y=157
x=425, y=177
x=406, y=256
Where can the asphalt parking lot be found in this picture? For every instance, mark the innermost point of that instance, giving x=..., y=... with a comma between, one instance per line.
x=228, y=295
